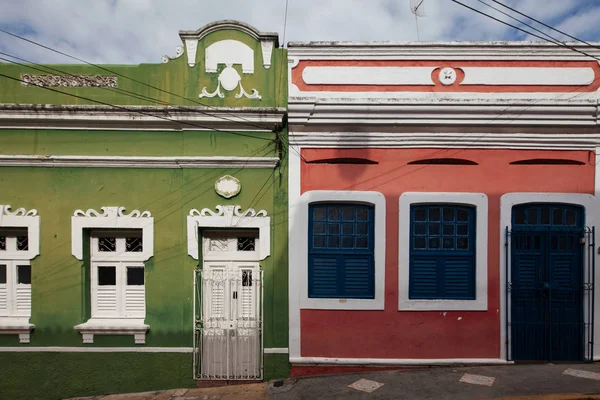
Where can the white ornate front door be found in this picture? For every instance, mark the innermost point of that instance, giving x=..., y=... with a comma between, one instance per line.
x=230, y=319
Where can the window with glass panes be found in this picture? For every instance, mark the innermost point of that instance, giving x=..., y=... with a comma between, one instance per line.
x=340, y=246
x=117, y=277
x=15, y=273
x=442, y=252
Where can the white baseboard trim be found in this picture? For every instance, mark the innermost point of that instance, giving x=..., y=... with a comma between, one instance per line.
x=276, y=350
x=31, y=349
x=397, y=361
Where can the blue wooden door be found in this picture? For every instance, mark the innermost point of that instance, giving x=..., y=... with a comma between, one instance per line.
x=547, y=282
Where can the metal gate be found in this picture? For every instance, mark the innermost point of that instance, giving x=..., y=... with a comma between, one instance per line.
x=228, y=340
x=550, y=293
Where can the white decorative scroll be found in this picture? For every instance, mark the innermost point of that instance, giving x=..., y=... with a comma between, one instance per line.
x=178, y=53
x=229, y=217
x=191, y=46
x=267, y=50
x=112, y=218
x=229, y=52
x=21, y=218
x=368, y=75
x=21, y=212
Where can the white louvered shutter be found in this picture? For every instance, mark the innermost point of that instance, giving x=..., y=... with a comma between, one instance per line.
x=23, y=300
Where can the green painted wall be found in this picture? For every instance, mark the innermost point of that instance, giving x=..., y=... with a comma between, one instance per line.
x=60, y=283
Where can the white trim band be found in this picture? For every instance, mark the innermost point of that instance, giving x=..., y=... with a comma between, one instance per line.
x=30, y=349
x=398, y=361
x=276, y=350
x=136, y=161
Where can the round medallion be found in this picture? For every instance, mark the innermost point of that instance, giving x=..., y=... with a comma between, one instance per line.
x=229, y=78
x=447, y=76
x=227, y=186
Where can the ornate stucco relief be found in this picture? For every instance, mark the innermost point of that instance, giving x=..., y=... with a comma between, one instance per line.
x=227, y=186
x=69, y=80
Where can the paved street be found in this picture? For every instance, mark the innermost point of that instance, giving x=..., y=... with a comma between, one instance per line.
x=553, y=382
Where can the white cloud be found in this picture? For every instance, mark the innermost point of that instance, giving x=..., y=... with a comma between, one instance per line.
x=133, y=31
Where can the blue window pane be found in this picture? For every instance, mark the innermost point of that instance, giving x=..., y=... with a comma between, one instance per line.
x=434, y=214
x=319, y=213
x=333, y=229
x=319, y=242
x=420, y=229
x=434, y=229
x=334, y=214
x=362, y=214
x=434, y=243
x=520, y=216
x=448, y=214
x=420, y=214
x=571, y=218
x=558, y=216
x=462, y=229
x=362, y=229
x=362, y=242
x=462, y=215
x=347, y=242
x=545, y=216
x=420, y=243
x=319, y=228
x=347, y=229
x=333, y=242
x=348, y=213
x=448, y=243
x=462, y=243
x=449, y=229
x=533, y=215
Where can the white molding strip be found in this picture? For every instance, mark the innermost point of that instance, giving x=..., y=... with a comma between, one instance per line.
x=136, y=161
x=530, y=76
x=31, y=349
x=411, y=139
x=397, y=361
x=440, y=112
x=32, y=116
x=276, y=350
x=439, y=50
x=364, y=75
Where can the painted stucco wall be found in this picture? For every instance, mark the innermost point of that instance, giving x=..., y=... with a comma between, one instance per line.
x=428, y=334
x=60, y=291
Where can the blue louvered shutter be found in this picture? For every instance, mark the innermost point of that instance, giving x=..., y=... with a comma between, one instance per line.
x=442, y=252
x=341, y=258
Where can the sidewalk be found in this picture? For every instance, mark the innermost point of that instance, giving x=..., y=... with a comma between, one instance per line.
x=510, y=382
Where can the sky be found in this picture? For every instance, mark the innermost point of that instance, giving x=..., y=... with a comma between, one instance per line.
x=141, y=31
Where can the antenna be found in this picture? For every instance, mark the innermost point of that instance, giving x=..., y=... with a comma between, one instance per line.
x=418, y=8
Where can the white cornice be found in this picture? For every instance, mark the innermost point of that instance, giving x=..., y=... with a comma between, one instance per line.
x=408, y=139
x=323, y=114
x=439, y=50
x=136, y=161
x=140, y=117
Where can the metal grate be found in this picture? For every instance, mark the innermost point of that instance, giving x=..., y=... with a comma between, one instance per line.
x=246, y=244
x=107, y=244
x=227, y=335
x=133, y=244
x=22, y=243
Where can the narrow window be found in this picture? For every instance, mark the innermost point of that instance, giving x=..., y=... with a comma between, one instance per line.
x=442, y=252
x=2, y=273
x=22, y=243
x=246, y=244
x=443, y=161
x=133, y=244
x=246, y=278
x=547, y=161
x=2, y=242
x=135, y=276
x=341, y=256
x=107, y=244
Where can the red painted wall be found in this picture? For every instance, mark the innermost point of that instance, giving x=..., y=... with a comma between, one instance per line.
x=393, y=334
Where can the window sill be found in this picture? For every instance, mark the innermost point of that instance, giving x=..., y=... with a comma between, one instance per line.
x=16, y=326
x=113, y=326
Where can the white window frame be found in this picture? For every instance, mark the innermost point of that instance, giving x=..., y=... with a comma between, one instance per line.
x=299, y=249
x=15, y=322
x=112, y=221
x=477, y=200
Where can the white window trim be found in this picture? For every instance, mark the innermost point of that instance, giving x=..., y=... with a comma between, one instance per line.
x=20, y=218
x=229, y=217
x=592, y=218
x=480, y=202
x=299, y=249
x=113, y=218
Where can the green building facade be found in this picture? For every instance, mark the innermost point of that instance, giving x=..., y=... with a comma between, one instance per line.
x=143, y=219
